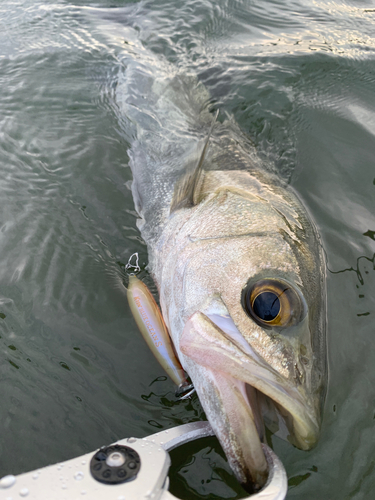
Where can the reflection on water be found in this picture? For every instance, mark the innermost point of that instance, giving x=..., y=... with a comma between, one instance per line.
x=199, y=470
x=170, y=410
x=75, y=374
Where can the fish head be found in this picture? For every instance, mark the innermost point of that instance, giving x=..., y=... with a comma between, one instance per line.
x=243, y=296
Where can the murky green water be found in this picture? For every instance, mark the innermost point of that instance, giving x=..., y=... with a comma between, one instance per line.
x=74, y=372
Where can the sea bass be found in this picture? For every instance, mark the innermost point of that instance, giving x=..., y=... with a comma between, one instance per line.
x=237, y=262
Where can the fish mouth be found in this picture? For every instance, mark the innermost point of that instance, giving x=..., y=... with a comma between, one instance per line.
x=238, y=389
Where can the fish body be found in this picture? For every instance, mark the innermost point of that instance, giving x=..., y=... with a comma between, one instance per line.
x=238, y=265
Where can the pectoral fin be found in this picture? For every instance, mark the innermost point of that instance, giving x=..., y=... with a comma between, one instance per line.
x=187, y=190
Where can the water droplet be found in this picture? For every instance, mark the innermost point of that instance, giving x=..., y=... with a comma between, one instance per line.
x=132, y=440
x=35, y=476
x=83, y=492
x=7, y=481
x=83, y=462
x=64, y=486
x=59, y=467
x=39, y=471
x=24, y=492
x=78, y=476
x=166, y=431
x=121, y=497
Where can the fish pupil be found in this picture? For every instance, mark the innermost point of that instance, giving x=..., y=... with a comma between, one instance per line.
x=266, y=306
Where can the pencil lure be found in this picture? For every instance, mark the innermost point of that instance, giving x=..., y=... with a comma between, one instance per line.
x=153, y=328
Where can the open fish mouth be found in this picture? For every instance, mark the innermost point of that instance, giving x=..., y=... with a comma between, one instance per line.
x=237, y=389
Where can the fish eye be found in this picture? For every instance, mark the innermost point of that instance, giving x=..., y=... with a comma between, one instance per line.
x=266, y=306
x=273, y=302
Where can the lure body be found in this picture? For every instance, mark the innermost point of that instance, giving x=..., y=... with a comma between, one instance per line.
x=153, y=328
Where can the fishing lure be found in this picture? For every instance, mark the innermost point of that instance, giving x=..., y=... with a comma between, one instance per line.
x=151, y=324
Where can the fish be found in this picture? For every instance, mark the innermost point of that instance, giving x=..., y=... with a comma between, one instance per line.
x=237, y=261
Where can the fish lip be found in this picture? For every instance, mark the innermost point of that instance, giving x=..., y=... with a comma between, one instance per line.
x=295, y=408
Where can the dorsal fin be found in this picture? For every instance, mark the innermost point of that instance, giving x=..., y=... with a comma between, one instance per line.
x=186, y=192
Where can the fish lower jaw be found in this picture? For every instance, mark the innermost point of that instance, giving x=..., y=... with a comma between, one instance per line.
x=237, y=390
x=214, y=342
x=236, y=424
